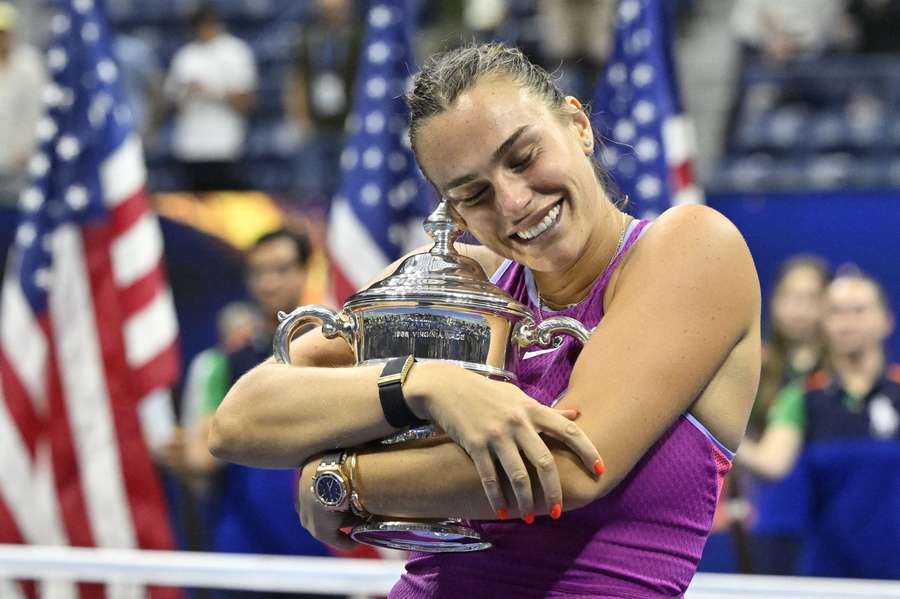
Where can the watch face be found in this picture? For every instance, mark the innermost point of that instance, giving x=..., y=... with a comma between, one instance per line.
x=329, y=489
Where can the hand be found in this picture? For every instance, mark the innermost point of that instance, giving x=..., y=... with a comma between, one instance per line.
x=493, y=420
x=321, y=523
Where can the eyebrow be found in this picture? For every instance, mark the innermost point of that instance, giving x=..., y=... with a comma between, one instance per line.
x=498, y=153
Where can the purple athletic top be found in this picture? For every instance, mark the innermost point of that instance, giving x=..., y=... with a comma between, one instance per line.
x=642, y=540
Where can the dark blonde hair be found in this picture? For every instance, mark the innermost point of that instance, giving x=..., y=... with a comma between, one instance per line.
x=447, y=75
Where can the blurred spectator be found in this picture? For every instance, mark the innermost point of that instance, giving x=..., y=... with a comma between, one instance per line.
x=252, y=508
x=875, y=24
x=22, y=80
x=212, y=82
x=779, y=31
x=792, y=351
x=577, y=31
x=142, y=78
x=319, y=92
x=854, y=399
x=207, y=379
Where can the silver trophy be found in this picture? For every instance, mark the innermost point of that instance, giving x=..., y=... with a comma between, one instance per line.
x=437, y=305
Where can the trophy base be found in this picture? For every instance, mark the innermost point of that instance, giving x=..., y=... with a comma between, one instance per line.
x=435, y=536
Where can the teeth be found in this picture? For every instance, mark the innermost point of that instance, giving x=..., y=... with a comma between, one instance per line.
x=541, y=226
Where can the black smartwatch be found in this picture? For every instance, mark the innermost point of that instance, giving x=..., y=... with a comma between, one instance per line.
x=390, y=392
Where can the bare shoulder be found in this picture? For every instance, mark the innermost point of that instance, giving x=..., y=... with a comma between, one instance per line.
x=697, y=245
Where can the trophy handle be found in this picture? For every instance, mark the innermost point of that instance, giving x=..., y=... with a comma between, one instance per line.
x=333, y=324
x=526, y=334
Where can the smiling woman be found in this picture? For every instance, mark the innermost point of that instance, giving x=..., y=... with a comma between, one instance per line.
x=662, y=389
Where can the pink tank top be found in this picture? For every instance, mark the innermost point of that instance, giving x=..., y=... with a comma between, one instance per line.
x=644, y=539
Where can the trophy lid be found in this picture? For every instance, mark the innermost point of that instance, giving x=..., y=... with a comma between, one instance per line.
x=440, y=276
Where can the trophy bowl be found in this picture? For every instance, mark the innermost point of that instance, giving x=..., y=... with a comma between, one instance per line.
x=437, y=305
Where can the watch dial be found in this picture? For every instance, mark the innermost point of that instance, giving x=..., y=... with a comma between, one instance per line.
x=329, y=490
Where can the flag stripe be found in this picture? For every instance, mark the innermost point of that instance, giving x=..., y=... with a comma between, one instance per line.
x=150, y=331
x=123, y=173
x=23, y=342
x=164, y=366
x=19, y=407
x=137, y=250
x=351, y=246
x=143, y=291
x=87, y=397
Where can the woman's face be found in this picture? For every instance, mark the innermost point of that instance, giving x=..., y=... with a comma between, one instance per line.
x=516, y=172
x=797, y=304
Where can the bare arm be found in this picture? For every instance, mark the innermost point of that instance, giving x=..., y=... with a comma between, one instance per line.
x=775, y=454
x=631, y=381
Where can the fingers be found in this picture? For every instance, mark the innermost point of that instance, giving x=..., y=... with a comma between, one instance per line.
x=484, y=463
x=560, y=427
x=519, y=479
x=538, y=454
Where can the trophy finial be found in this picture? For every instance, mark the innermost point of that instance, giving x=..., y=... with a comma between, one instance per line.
x=443, y=229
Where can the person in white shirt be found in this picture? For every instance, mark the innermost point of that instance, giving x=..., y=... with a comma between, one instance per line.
x=212, y=81
x=22, y=79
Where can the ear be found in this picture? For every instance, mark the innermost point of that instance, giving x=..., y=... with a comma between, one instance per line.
x=581, y=124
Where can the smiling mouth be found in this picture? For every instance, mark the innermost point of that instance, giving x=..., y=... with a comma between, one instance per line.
x=543, y=226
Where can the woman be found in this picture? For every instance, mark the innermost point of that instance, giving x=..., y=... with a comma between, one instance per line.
x=662, y=389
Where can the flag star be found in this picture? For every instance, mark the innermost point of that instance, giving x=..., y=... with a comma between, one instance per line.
x=349, y=159
x=99, y=109
x=26, y=234
x=122, y=113
x=52, y=95
x=397, y=161
x=83, y=6
x=68, y=147
x=649, y=186
x=107, y=70
x=617, y=74
x=42, y=278
x=646, y=149
x=370, y=194
x=31, y=199
x=642, y=74
x=380, y=16
x=372, y=158
x=379, y=52
x=57, y=59
x=404, y=139
x=629, y=10
x=60, y=23
x=38, y=165
x=397, y=234
x=375, y=122
x=624, y=131
x=90, y=32
x=46, y=129
x=610, y=156
x=376, y=87
x=77, y=197
x=403, y=194
x=644, y=112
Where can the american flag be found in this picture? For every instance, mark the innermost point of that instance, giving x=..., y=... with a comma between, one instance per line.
x=378, y=213
x=88, y=336
x=647, y=142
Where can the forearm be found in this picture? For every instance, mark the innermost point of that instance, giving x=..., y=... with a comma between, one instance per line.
x=438, y=479
x=278, y=415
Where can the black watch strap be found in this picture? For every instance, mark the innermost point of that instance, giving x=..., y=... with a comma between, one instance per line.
x=390, y=392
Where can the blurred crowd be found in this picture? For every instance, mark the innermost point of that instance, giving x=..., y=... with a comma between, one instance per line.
x=813, y=106
x=254, y=95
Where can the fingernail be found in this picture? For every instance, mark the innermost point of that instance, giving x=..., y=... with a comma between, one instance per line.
x=556, y=511
x=599, y=468
x=503, y=513
x=528, y=518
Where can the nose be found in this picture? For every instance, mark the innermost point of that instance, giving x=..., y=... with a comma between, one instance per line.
x=513, y=198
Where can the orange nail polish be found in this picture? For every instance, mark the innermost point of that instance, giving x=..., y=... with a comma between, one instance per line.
x=528, y=518
x=599, y=467
x=556, y=511
x=503, y=513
